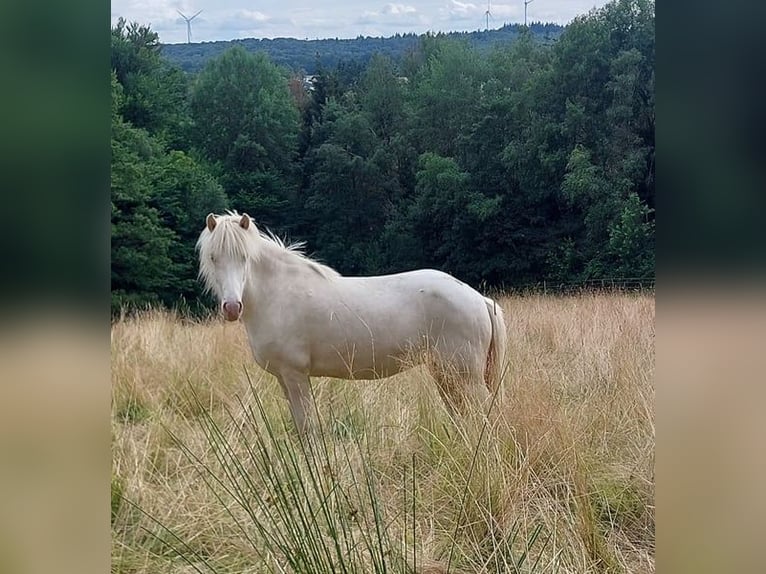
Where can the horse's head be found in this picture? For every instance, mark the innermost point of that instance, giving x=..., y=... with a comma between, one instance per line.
x=225, y=247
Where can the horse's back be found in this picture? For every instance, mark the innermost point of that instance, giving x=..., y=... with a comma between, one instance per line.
x=436, y=307
x=424, y=291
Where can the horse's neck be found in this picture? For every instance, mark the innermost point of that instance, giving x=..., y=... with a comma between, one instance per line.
x=270, y=273
x=266, y=275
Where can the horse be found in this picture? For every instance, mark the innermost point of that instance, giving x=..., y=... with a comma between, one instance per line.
x=304, y=319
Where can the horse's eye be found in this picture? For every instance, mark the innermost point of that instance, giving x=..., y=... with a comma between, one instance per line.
x=212, y=259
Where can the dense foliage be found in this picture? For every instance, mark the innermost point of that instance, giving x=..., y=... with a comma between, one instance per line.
x=526, y=163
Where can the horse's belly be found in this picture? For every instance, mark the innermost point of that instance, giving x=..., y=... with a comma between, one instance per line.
x=360, y=362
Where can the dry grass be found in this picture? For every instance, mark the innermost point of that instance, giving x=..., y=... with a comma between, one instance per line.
x=563, y=469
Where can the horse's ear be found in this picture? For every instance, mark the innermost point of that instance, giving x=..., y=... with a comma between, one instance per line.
x=244, y=223
x=210, y=220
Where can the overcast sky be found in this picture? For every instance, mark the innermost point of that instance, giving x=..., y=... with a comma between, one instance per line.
x=304, y=19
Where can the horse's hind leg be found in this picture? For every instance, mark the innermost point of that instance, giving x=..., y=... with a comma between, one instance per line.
x=446, y=391
x=297, y=389
x=460, y=385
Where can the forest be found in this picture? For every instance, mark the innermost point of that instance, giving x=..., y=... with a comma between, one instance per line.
x=527, y=163
x=305, y=55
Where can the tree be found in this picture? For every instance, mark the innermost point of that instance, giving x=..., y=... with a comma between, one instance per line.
x=348, y=194
x=159, y=201
x=184, y=192
x=382, y=98
x=604, y=64
x=630, y=250
x=445, y=95
x=154, y=92
x=447, y=215
x=142, y=267
x=246, y=123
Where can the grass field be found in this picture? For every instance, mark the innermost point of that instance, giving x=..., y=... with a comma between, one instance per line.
x=208, y=475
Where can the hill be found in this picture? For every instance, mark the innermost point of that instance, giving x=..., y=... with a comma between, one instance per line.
x=303, y=55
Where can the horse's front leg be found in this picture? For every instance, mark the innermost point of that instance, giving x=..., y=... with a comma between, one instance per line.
x=297, y=389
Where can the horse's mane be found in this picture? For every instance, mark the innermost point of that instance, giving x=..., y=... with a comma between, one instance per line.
x=251, y=244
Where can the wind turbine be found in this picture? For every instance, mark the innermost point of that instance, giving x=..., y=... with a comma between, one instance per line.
x=526, y=3
x=188, y=24
x=487, y=14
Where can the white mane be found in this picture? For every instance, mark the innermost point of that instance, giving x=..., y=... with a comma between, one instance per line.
x=251, y=244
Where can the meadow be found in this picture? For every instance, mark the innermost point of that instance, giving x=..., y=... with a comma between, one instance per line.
x=208, y=474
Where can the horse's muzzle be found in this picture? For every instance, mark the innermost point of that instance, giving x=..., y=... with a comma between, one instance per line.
x=232, y=310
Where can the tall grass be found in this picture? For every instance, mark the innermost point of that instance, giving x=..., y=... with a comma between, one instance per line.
x=208, y=474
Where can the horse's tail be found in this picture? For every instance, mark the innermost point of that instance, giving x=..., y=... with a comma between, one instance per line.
x=493, y=374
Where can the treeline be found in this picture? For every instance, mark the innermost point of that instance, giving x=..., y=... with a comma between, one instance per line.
x=528, y=163
x=306, y=55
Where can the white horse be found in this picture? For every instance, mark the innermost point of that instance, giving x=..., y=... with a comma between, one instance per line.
x=304, y=319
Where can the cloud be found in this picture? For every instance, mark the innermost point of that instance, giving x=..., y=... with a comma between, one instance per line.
x=469, y=15
x=396, y=9
x=244, y=21
x=390, y=16
x=251, y=16
x=460, y=8
x=505, y=11
x=456, y=8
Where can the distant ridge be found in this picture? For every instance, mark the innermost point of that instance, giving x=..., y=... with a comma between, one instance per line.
x=302, y=55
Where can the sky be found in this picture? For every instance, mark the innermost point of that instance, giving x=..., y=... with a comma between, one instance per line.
x=304, y=19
